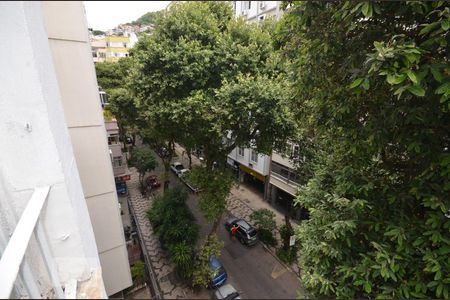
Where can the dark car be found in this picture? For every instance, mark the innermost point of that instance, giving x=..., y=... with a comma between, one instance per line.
x=152, y=181
x=219, y=274
x=246, y=234
x=121, y=188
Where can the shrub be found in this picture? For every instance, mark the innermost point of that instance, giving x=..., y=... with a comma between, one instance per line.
x=267, y=237
x=138, y=273
x=287, y=256
x=182, y=256
x=175, y=226
x=264, y=221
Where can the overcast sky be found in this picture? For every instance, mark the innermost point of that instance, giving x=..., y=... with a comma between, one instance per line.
x=104, y=15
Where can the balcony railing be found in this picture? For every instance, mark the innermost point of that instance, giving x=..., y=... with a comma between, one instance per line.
x=12, y=260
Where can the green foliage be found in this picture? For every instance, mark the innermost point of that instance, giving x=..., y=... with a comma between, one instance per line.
x=215, y=186
x=264, y=219
x=138, y=273
x=144, y=161
x=147, y=18
x=286, y=253
x=287, y=256
x=182, y=255
x=202, y=272
x=204, y=79
x=112, y=75
x=175, y=226
x=371, y=98
x=98, y=32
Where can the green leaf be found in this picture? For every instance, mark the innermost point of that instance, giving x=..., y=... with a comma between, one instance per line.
x=428, y=28
x=395, y=79
x=366, y=84
x=436, y=74
x=412, y=76
x=367, y=9
x=416, y=90
x=439, y=290
x=444, y=88
x=445, y=24
x=367, y=287
x=356, y=83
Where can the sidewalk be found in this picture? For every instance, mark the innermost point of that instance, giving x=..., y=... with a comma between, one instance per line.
x=161, y=265
x=242, y=202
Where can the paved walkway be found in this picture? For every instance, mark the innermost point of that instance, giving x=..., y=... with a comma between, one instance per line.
x=242, y=202
x=163, y=268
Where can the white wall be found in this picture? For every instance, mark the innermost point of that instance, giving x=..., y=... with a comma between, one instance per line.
x=271, y=8
x=261, y=166
x=36, y=148
x=71, y=52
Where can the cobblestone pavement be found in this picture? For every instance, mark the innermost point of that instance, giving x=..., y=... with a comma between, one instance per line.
x=169, y=286
x=242, y=202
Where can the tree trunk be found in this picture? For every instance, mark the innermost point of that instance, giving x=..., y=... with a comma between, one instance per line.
x=190, y=159
x=216, y=225
x=166, y=174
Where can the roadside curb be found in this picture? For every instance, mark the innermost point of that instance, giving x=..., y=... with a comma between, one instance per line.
x=266, y=248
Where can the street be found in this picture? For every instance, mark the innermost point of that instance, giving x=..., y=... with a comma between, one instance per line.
x=253, y=271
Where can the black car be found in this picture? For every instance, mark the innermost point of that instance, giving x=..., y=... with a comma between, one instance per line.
x=246, y=234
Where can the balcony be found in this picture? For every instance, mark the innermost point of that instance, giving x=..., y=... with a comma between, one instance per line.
x=27, y=266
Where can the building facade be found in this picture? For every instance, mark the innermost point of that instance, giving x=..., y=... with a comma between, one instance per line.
x=55, y=137
x=257, y=11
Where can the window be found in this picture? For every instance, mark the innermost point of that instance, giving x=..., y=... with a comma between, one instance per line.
x=113, y=139
x=295, y=151
x=241, y=151
x=254, y=156
x=117, y=162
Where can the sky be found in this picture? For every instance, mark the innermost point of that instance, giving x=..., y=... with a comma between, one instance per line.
x=104, y=15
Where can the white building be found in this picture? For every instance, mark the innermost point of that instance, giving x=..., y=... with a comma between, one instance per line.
x=60, y=220
x=256, y=11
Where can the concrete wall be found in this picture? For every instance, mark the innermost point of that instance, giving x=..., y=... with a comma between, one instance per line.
x=36, y=149
x=66, y=26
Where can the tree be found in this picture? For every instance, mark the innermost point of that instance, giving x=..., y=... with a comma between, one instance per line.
x=371, y=83
x=138, y=273
x=98, y=32
x=147, y=18
x=144, y=161
x=205, y=77
x=264, y=219
x=202, y=271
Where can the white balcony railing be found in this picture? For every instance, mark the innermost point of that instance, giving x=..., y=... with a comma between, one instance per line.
x=13, y=257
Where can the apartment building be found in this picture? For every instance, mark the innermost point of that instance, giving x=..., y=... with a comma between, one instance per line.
x=56, y=177
x=257, y=11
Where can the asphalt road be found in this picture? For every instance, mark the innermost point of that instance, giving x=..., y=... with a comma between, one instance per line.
x=253, y=271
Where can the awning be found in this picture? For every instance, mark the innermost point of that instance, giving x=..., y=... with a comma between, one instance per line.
x=252, y=172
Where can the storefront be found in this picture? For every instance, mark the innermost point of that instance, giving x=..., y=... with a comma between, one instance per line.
x=252, y=178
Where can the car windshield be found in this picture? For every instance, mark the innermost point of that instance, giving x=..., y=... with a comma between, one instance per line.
x=252, y=232
x=232, y=296
x=179, y=167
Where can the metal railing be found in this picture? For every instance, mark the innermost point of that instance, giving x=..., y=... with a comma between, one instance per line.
x=13, y=256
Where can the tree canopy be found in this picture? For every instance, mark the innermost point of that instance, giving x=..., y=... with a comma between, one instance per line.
x=372, y=88
x=205, y=77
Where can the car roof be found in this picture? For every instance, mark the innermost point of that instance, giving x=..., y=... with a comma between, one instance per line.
x=214, y=263
x=184, y=170
x=226, y=290
x=177, y=163
x=243, y=224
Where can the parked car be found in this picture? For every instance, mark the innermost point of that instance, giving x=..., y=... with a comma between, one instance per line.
x=152, y=181
x=219, y=273
x=183, y=172
x=226, y=292
x=121, y=188
x=245, y=234
x=162, y=152
x=176, y=167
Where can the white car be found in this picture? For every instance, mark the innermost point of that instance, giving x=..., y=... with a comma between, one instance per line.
x=176, y=167
x=183, y=172
x=226, y=291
